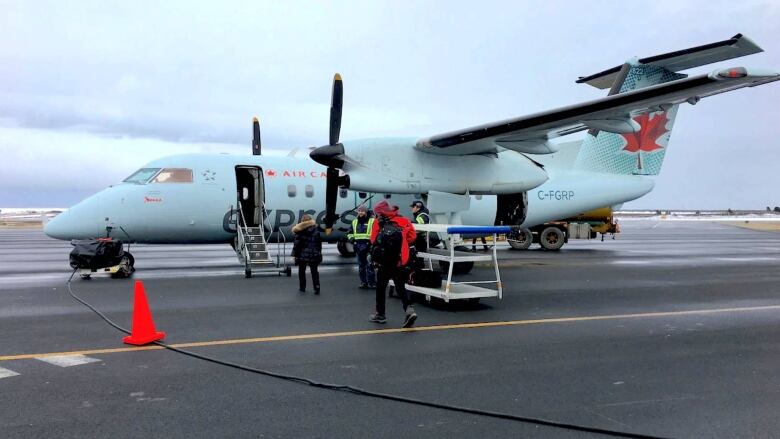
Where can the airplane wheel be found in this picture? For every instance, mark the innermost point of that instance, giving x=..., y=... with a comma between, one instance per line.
x=247, y=272
x=130, y=260
x=551, y=238
x=346, y=249
x=86, y=276
x=288, y=271
x=520, y=239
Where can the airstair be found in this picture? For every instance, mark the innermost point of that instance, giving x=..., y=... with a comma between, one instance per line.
x=252, y=248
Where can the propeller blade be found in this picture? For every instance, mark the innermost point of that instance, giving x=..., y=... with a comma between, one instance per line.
x=331, y=195
x=255, y=136
x=336, y=104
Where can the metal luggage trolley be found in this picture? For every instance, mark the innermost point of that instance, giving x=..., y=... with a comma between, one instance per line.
x=450, y=290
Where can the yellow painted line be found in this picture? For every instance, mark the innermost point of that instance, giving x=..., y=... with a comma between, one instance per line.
x=397, y=330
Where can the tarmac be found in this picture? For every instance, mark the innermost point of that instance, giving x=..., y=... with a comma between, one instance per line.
x=670, y=330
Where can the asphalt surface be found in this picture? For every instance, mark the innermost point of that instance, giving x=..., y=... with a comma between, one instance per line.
x=671, y=330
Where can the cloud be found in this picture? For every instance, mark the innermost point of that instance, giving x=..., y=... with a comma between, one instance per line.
x=155, y=78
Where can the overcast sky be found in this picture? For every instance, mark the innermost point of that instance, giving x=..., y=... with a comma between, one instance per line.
x=90, y=91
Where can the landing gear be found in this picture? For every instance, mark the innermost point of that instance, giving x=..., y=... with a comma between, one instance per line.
x=551, y=238
x=520, y=239
x=346, y=249
x=247, y=269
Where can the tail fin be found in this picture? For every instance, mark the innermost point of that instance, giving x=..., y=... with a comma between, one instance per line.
x=642, y=152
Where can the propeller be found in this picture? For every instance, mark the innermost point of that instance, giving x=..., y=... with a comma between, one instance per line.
x=332, y=155
x=255, y=136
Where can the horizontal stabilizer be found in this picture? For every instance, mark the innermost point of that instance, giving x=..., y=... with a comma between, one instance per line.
x=734, y=47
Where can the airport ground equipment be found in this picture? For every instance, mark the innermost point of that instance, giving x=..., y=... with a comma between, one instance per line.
x=553, y=235
x=472, y=290
x=101, y=255
x=252, y=248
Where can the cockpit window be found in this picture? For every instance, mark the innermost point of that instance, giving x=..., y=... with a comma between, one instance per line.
x=174, y=175
x=141, y=176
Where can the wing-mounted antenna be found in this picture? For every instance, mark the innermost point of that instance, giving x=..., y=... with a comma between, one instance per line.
x=256, y=148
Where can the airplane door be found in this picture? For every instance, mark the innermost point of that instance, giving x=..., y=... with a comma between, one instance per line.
x=259, y=196
x=251, y=194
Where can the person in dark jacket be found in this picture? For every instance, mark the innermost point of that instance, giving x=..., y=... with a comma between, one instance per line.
x=420, y=216
x=361, y=240
x=307, y=251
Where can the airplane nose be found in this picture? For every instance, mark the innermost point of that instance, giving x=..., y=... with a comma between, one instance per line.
x=81, y=221
x=57, y=227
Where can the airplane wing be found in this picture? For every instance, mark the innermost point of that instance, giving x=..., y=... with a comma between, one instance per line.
x=530, y=134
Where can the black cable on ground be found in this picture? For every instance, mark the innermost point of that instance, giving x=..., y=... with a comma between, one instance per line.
x=363, y=392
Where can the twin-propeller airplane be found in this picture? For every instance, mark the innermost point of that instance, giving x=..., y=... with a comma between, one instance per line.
x=483, y=175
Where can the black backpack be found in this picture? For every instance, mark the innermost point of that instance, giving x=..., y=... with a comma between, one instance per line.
x=387, y=246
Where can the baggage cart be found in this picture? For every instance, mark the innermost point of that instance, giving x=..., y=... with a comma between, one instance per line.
x=472, y=290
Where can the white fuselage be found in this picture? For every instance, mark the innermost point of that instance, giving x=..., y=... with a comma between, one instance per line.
x=204, y=210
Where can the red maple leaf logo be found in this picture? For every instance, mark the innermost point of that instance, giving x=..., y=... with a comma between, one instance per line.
x=270, y=173
x=647, y=137
x=652, y=129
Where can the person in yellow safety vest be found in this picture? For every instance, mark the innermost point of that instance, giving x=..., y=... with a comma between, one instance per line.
x=361, y=239
x=421, y=216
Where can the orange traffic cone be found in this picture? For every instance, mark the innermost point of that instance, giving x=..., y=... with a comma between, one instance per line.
x=143, y=331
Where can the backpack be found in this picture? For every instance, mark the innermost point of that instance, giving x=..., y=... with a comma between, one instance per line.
x=387, y=246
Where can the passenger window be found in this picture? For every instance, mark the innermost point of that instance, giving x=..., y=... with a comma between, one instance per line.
x=141, y=176
x=291, y=191
x=343, y=192
x=174, y=175
x=362, y=194
x=309, y=191
x=478, y=197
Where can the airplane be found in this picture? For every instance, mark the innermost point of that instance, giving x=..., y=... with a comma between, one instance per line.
x=504, y=173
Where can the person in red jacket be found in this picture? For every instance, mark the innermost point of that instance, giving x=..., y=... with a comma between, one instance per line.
x=391, y=236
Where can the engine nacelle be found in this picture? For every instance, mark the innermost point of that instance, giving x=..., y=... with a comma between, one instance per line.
x=395, y=166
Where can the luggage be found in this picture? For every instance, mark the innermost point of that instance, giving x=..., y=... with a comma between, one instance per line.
x=425, y=278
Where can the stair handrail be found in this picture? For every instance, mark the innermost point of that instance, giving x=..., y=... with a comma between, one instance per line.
x=241, y=231
x=283, y=245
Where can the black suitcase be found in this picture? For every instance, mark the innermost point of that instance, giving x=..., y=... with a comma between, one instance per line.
x=425, y=278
